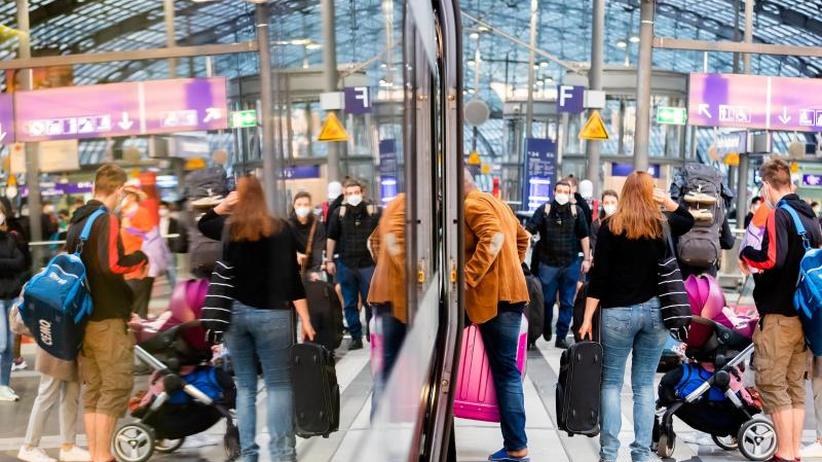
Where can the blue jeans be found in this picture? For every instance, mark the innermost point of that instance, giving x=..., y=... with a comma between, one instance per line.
x=393, y=335
x=501, y=338
x=6, y=343
x=354, y=283
x=267, y=335
x=562, y=279
x=638, y=329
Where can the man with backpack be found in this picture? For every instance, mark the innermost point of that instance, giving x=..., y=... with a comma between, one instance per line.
x=781, y=356
x=107, y=355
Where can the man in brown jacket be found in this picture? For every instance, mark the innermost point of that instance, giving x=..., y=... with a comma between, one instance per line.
x=495, y=297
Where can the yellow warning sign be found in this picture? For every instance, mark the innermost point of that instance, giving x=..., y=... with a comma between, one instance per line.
x=485, y=169
x=794, y=167
x=731, y=159
x=473, y=158
x=594, y=128
x=332, y=129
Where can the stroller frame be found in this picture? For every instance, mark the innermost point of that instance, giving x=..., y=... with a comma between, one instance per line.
x=136, y=441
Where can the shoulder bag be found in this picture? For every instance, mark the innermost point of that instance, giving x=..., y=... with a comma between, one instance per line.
x=673, y=299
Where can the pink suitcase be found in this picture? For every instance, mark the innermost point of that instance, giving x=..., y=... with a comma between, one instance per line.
x=476, y=398
x=375, y=338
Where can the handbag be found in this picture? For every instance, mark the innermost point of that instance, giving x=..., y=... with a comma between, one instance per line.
x=673, y=298
x=219, y=299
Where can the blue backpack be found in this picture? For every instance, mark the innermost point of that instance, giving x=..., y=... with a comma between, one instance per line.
x=808, y=297
x=693, y=377
x=56, y=301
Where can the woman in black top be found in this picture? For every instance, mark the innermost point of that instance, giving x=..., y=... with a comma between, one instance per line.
x=305, y=226
x=624, y=280
x=267, y=284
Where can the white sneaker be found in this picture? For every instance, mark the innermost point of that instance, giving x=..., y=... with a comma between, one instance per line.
x=812, y=450
x=19, y=366
x=7, y=394
x=34, y=455
x=75, y=454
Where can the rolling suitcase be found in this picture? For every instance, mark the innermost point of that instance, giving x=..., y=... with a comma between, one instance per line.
x=536, y=309
x=316, y=391
x=579, y=315
x=325, y=311
x=476, y=397
x=578, y=388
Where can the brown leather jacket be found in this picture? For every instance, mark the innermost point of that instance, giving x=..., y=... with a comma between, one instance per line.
x=387, y=245
x=495, y=246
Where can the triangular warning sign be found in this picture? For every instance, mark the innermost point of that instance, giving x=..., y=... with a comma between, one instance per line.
x=332, y=129
x=594, y=128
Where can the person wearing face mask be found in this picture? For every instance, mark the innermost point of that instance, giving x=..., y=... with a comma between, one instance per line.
x=347, y=255
x=306, y=228
x=335, y=200
x=563, y=236
x=136, y=224
x=169, y=225
x=610, y=200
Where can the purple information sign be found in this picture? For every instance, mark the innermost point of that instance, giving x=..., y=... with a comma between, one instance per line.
x=357, y=100
x=121, y=109
x=6, y=119
x=569, y=98
x=751, y=101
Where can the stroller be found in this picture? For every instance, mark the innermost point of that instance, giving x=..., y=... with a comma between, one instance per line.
x=187, y=395
x=709, y=396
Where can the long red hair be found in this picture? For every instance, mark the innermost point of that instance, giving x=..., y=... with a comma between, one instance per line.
x=250, y=219
x=638, y=215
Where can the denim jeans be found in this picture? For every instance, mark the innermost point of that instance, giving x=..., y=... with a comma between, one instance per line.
x=501, y=338
x=562, y=279
x=393, y=334
x=354, y=283
x=636, y=329
x=6, y=343
x=267, y=335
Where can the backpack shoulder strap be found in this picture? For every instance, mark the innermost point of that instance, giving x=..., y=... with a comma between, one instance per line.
x=574, y=210
x=86, y=232
x=800, y=228
x=342, y=210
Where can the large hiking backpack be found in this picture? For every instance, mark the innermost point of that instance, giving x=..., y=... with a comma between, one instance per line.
x=702, y=194
x=56, y=302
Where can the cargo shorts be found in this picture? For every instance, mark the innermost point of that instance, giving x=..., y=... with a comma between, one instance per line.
x=781, y=360
x=106, y=365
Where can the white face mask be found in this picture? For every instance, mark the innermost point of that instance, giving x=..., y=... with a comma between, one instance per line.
x=354, y=199
x=302, y=212
x=609, y=209
x=2, y=219
x=561, y=199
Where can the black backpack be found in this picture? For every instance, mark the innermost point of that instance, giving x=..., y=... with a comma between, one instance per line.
x=700, y=189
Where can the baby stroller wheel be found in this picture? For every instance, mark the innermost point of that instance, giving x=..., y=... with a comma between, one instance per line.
x=666, y=445
x=728, y=443
x=133, y=442
x=166, y=446
x=757, y=439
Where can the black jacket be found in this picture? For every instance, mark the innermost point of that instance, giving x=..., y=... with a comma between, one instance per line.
x=106, y=262
x=13, y=268
x=301, y=234
x=776, y=286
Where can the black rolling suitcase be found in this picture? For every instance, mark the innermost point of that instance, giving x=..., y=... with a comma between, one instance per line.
x=316, y=392
x=536, y=309
x=580, y=376
x=325, y=311
x=579, y=315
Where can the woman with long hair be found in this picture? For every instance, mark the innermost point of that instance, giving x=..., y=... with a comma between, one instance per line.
x=267, y=284
x=12, y=271
x=624, y=281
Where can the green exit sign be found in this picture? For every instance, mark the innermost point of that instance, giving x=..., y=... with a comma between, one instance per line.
x=671, y=115
x=243, y=119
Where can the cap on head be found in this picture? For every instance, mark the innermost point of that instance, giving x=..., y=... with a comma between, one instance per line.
x=586, y=189
x=335, y=189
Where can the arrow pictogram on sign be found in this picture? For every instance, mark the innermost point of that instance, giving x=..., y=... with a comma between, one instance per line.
x=125, y=123
x=212, y=113
x=784, y=117
x=704, y=110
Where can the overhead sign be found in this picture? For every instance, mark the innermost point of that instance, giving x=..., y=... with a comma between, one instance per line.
x=594, y=128
x=671, y=115
x=727, y=143
x=243, y=119
x=357, y=100
x=751, y=101
x=53, y=156
x=570, y=98
x=812, y=180
x=6, y=119
x=332, y=129
x=540, y=171
x=301, y=172
x=389, y=170
x=121, y=109
x=625, y=169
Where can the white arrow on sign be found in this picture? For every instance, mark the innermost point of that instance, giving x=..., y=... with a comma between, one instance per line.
x=125, y=123
x=2, y=134
x=704, y=110
x=784, y=117
x=212, y=113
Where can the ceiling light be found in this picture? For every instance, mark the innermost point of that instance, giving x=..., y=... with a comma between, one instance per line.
x=543, y=64
x=313, y=46
x=473, y=35
x=540, y=83
x=304, y=41
x=470, y=62
x=622, y=44
x=483, y=29
x=634, y=39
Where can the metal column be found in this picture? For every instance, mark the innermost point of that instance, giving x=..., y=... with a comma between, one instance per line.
x=32, y=149
x=595, y=83
x=532, y=61
x=643, y=85
x=271, y=165
x=171, y=35
x=744, y=159
x=746, y=57
x=330, y=77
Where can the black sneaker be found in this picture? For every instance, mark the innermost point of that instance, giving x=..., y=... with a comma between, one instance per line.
x=561, y=343
x=355, y=345
x=547, y=333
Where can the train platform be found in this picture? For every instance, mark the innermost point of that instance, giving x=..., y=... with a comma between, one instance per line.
x=475, y=440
